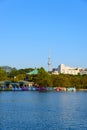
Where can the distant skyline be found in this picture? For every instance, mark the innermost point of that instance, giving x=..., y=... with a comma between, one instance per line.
x=31, y=30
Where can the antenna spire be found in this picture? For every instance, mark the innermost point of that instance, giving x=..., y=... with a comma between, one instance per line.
x=49, y=63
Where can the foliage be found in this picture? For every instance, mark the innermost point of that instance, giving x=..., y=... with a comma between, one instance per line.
x=3, y=75
x=43, y=78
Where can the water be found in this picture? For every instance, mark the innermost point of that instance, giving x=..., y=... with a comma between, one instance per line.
x=43, y=111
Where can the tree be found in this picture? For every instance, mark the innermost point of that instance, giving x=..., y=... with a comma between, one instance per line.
x=43, y=78
x=3, y=75
x=84, y=81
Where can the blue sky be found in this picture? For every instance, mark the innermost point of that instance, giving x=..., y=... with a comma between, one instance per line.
x=30, y=30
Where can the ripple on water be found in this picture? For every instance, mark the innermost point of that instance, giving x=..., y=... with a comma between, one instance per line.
x=43, y=111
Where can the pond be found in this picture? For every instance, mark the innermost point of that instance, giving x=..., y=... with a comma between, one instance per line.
x=28, y=110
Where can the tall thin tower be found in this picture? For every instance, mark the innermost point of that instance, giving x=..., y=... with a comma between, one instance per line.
x=49, y=64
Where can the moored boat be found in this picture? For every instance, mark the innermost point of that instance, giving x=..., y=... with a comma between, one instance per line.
x=72, y=89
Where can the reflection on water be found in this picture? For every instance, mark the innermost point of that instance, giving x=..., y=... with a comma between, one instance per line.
x=43, y=111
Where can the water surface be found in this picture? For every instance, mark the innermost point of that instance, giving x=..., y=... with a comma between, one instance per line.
x=43, y=110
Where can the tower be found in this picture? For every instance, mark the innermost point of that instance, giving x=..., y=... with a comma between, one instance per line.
x=49, y=64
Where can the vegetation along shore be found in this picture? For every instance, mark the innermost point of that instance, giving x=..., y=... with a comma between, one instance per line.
x=44, y=79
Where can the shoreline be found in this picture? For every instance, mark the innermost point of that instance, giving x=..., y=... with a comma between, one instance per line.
x=82, y=89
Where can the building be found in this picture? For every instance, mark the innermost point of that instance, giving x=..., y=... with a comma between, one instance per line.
x=83, y=72
x=7, y=69
x=62, y=69
x=55, y=71
x=68, y=70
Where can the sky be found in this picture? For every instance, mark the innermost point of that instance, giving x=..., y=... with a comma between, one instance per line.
x=32, y=30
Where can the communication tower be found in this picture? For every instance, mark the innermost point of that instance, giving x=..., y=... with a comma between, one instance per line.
x=49, y=63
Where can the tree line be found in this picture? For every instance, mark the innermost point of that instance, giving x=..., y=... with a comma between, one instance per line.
x=44, y=78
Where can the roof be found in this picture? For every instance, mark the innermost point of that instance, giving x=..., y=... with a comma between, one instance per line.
x=34, y=72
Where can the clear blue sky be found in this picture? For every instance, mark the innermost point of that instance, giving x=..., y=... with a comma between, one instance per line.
x=30, y=30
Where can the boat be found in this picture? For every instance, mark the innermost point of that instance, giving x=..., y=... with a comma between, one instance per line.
x=71, y=89
x=57, y=89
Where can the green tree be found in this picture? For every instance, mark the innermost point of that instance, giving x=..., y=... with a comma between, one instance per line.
x=3, y=75
x=84, y=81
x=43, y=78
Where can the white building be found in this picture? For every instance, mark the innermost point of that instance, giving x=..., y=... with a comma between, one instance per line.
x=62, y=69
x=68, y=70
x=83, y=72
